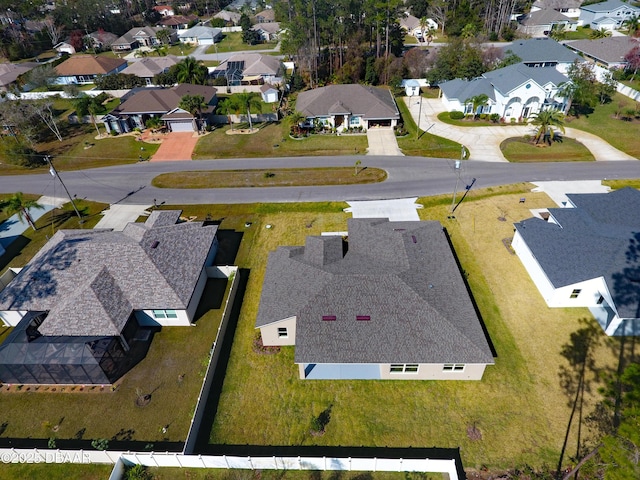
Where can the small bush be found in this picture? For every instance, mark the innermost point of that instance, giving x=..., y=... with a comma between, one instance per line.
x=456, y=115
x=494, y=117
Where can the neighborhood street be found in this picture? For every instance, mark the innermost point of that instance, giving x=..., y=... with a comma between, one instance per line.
x=407, y=176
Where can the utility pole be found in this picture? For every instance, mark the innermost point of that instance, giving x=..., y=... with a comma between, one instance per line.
x=54, y=173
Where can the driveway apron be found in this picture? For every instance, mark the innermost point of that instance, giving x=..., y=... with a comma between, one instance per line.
x=382, y=141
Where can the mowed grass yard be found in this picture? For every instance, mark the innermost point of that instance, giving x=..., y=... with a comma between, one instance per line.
x=602, y=122
x=519, y=407
x=273, y=140
x=521, y=150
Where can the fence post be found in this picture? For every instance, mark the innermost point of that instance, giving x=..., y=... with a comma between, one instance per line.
x=226, y=461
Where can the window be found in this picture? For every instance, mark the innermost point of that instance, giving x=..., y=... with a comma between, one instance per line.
x=354, y=121
x=403, y=368
x=282, y=332
x=453, y=367
x=164, y=314
x=575, y=293
x=600, y=300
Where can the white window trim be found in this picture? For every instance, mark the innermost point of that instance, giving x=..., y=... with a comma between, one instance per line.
x=405, y=367
x=454, y=367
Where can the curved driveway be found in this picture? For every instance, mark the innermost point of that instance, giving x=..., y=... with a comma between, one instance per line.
x=484, y=142
x=407, y=177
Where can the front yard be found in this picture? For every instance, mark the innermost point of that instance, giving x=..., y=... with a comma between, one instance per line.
x=522, y=150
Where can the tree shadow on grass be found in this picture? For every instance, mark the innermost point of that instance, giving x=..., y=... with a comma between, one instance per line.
x=577, y=377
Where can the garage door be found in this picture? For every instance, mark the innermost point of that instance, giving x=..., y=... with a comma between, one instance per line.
x=181, y=126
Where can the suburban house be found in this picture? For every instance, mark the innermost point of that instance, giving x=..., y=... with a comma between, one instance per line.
x=149, y=67
x=82, y=69
x=540, y=23
x=569, y=8
x=230, y=18
x=177, y=22
x=609, y=15
x=266, y=16
x=146, y=103
x=411, y=25
x=9, y=73
x=65, y=47
x=585, y=255
x=84, y=309
x=269, y=93
x=200, y=35
x=515, y=92
x=267, y=31
x=543, y=52
x=250, y=69
x=606, y=52
x=100, y=39
x=164, y=10
x=387, y=303
x=139, y=37
x=349, y=106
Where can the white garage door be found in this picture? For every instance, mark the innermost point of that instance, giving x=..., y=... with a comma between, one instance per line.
x=181, y=126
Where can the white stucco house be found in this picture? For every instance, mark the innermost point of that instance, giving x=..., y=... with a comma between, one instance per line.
x=609, y=15
x=585, y=255
x=388, y=302
x=516, y=92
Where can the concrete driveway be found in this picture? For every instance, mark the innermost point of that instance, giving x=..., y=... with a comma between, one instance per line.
x=483, y=143
x=396, y=210
x=176, y=146
x=382, y=141
x=117, y=216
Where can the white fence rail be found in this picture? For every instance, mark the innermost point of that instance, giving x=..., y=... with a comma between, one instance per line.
x=155, y=459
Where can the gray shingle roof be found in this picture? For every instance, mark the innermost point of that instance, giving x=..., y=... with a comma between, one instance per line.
x=544, y=17
x=150, y=66
x=604, y=7
x=90, y=281
x=370, y=102
x=403, y=275
x=538, y=50
x=508, y=78
x=593, y=240
x=162, y=100
x=463, y=89
x=608, y=50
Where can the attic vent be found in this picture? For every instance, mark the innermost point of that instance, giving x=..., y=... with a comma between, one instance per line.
x=399, y=229
x=415, y=240
x=328, y=318
x=363, y=318
x=155, y=244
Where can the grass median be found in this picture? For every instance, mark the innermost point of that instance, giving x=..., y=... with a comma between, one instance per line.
x=281, y=177
x=521, y=150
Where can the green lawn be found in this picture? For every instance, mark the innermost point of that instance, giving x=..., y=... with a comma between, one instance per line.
x=519, y=407
x=273, y=140
x=602, y=122
x=520, y=150
x=280, y=177
x=581, y=33
x=232, y=42
x=427, y=145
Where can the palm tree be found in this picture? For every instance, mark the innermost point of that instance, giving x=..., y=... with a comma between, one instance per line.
x=632, y=24
x=190, y=70
x=602, y=33
x=247, y=101
x=545, y=120
x=296, y=119
x=164, y=36
x=476, y=102
x=194, y=105
x=423, y=28
x=17, y=204
x=558, y=32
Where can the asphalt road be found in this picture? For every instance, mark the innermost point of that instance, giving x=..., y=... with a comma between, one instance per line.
x=407, y=176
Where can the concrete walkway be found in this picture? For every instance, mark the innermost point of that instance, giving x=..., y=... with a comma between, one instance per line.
x=398, y=210
x=483, y=143
x=382, y=141
x=117, y=216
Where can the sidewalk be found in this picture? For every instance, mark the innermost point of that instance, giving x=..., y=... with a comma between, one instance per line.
x=483, y=143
